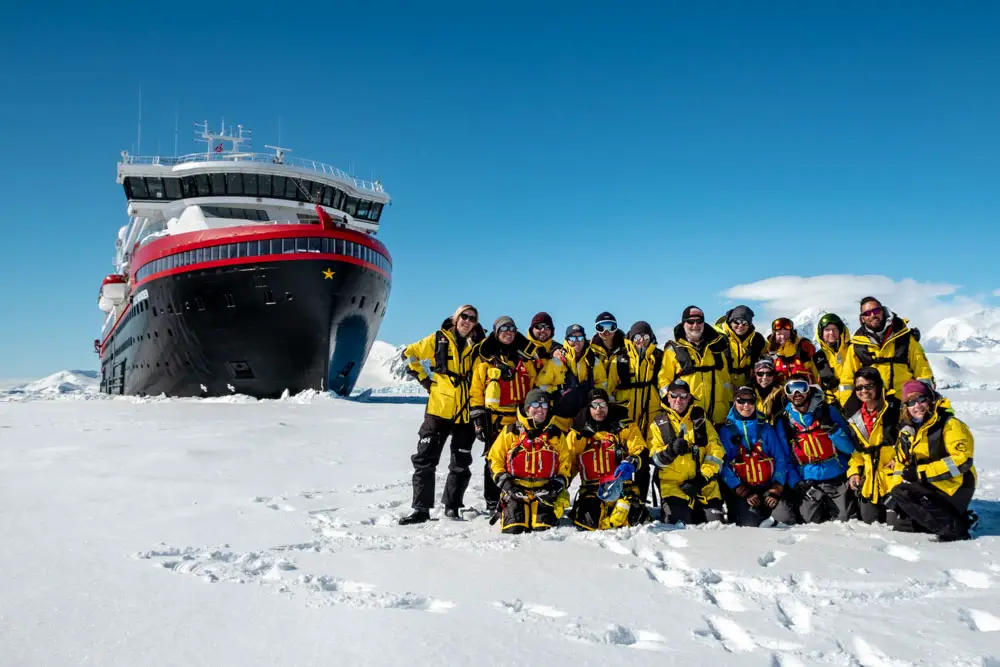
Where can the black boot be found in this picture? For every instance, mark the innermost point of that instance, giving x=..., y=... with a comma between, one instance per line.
x=418, y=516
x=452, y=513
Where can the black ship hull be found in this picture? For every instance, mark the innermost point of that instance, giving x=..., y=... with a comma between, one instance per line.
x=260, y=328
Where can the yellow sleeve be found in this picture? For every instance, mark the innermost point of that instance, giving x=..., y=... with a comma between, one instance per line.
x=712, y=461
x=668, y=371
x=551, y=376
x=847, y=372
x=654, y=439
x=634, y=441
x=574, y=446
x=918, y=362
x=565, y=459
x=855, y=465
x=419, y=352
x=958, y=442
x=477, y=392
x=600, y=376
x=498, y=452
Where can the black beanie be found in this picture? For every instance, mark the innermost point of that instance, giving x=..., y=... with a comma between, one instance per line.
x=689, y=310
x=605, y=317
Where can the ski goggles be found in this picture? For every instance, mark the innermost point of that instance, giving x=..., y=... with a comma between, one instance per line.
x=871, y=312
x=916, y=401
x=576, y=338
x=538, y=404
x=796, y=387
x=598, y=403
x=606, y=325
x=504, y=328
x=782, y=324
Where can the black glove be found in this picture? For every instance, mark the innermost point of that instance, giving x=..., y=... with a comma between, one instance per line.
x=426, y=383
x=736, y=440
x=507, y=487
x=550, y=491
x=662, y=458
x=680, y=447
x=481, y=422
x=692, y=487
x=910, y=474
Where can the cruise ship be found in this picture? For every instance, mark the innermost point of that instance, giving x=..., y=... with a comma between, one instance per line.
x=242, y=273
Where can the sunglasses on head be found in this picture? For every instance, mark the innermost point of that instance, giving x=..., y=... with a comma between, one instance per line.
x=744, y=401
x=864, y=387
x=678, y=397
x=538, y=404
x=576, y=338
x=598, y=403
x=919, y=399
x=468, y=317
x=796, y=387
x=542, y=327
x=871, y=312
x=782, y=323
x=606, y=325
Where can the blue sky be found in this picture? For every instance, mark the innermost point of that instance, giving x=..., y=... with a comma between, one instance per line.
x=568, y=157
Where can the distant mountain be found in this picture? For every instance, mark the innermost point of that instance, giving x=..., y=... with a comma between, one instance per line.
x=806, y=321
x=385, y=371
x=63, y=382
x=976, y=331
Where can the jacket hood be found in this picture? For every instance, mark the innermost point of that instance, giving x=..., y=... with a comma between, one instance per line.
x=617, y=341
x=534, y=429
x=816, y=398
x=710, y=336
x=492, y=347
x=477, y=334
x=735, y=416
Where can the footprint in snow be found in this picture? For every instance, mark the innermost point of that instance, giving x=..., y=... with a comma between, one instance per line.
x=901, y=552
x=729, y=633
x=519, y=607
x=617, y=635
x=795, y=615
x=795, y=538
x=980, y=621
x=771, y=558
x=970, y=578
x=779, y=660
x=868, y=655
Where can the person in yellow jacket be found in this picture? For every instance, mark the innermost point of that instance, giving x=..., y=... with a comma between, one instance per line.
x=541, y=334
x=531, y=466
x=874, y=418
x=605, y=447
x=609, y=341
x=746, y=344
x=570, y=375
x=884, y=340
x=834, y=340
x=442, y=363
x=771, y=399
x=632, y=381
x=699, y=355
x=934, y=468
x=688, y=455
x=793, y=355
x=502, y=377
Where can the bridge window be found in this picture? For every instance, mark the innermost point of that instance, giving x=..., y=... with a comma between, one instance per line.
x=291, y=189
x=218, y=182
x=201, y=180
x=234, y=184
x=327, y=195
x=138, y=187
x=376, y=212
x=351, y=206
x=172, y=186
x=363, y=208
x=250, y=184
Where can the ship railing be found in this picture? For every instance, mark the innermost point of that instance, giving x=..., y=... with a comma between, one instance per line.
x=162, y=233
x=258, y=158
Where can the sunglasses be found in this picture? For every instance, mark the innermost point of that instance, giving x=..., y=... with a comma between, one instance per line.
x=678, y=397
x=576, y=338
x=740, y=323
x=744, y=401
x=641, y=338
x=506, y=327
x=864, y=387
x=918, y=400
x=538, y=404
x=782, y=323
x=607, y=325
x=796, y=387
x=764, y=374
x=871, y=312
x=694, y=320
x=469, y=318
x=542, y=327
x=598, y=404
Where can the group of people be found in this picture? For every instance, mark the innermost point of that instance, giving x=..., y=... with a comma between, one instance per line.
x=723, y=423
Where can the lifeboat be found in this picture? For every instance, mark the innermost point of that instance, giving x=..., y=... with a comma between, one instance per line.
x=112, y=294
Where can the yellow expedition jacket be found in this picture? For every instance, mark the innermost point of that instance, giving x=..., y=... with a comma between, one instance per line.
x=516, y=434
x=632, y=382
x=874, y=460
x=706, y=456
x=942, y=449
x=706, y=371
x=449, y=368
x=616, y=427
x=899, y=358
x=743, y=354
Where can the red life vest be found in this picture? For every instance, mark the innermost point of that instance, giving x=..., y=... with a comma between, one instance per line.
x=533, y=458
x=753, y=466
x=787, y=367
x=811, y=444
x=599, y=459
x=512, y=386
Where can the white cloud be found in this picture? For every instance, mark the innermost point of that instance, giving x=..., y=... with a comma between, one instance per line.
x=924, y=303
x=996, y=292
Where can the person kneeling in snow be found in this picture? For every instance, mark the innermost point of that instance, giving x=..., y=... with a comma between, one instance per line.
x=756, y=469
x=935, y=478
x=821, y=447
x=686, y=451
x=531, y=467
x=605, y=446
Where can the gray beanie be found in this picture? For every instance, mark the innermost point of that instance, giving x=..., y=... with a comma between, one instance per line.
x=502, y=320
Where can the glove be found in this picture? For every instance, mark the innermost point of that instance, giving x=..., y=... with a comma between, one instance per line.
x=910, y=474
x=662, y=458
x=753, y=500
x=508, y=489
x=692, y=487
x=742, y=490
x=481, y=421
x=625, y=470
x=680, y=447
x=551, y=491
x=426, y=383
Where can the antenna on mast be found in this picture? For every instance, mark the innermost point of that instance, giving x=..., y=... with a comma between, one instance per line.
x=138, y=143
x=176, y=120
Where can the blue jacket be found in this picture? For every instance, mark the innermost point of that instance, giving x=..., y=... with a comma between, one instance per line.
x=840, y=436
x=747, y=431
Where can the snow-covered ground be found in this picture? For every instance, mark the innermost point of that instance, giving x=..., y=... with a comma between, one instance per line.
x=237, y=532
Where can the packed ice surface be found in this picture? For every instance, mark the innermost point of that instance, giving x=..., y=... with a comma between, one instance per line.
x=238, y=532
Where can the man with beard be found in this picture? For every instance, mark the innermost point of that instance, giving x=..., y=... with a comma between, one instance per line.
x=746, y=344
x=699, y=356
x=885, y=342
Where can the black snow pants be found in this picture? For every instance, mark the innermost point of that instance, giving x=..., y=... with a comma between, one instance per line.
x=741, y=513
x=433, y=432
x=920, y=508
x=828, y=500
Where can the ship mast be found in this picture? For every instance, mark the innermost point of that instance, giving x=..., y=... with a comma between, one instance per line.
x=215, y=141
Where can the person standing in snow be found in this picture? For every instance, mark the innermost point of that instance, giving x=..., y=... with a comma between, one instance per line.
x=933, y=468
x=756, y=469
x=885, y=342
x=821, y=447
x=608, y=342
x=605, y=446
x=770, y=397
x=793, y=356
x=700, y=357
x=540, y=336
x=874, y=418
x=501, y=379
x=442, y=363
x=746, y=344
x=688, y=456
x=531, y=467
x=571, y=376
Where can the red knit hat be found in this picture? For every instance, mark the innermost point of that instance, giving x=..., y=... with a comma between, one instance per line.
x=542, y=318
x=913, y=388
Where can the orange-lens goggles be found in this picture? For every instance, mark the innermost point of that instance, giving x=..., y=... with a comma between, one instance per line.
x=782, y=323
